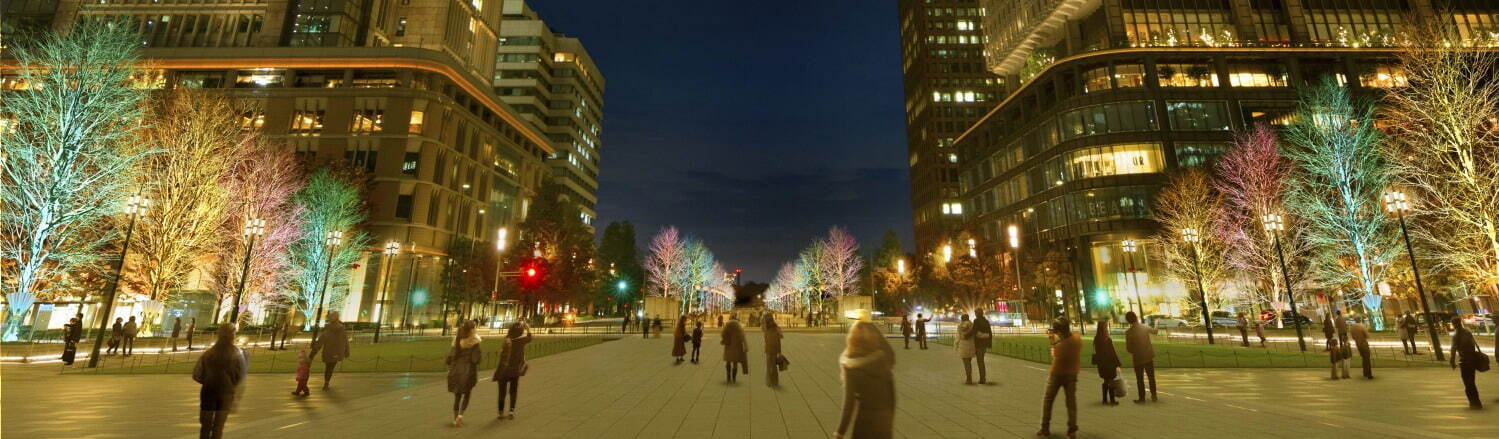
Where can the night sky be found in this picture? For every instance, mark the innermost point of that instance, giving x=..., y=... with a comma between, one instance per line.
x=754, y=126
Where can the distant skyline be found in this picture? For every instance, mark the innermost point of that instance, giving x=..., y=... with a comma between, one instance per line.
x=752, y=128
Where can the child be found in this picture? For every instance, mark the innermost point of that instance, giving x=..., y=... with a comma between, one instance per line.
x=304, y=370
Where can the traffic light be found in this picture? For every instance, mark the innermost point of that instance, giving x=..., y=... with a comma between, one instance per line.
x=533, y=272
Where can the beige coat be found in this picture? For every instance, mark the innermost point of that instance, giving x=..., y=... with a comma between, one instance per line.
x=1137, y=342
x=734, y=347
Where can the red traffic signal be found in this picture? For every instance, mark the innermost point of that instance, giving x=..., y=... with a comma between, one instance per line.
x=737, y=271
x=532, y=273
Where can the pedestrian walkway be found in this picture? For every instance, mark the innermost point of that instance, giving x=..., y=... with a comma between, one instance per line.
x=630, y=388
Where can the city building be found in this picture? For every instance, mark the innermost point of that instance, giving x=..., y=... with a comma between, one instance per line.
x=947, y=89
x=398, y=88
x=549, y=79
x=1106, y=97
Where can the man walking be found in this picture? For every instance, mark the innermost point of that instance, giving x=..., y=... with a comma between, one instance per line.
x=1137, y=342
x=905, y=330
x=697, y=340
x=625, y=325
x=1465, y=354
x=1341, y=324
x=1411, y=329
x=1243, y=323
x=645, y=327
x=982, y=340
x=1360, y=335
x=1066, y=362
x=192, y=325
x=177, y=331
x=116, y=335
x=921, y=331
x=131, y=329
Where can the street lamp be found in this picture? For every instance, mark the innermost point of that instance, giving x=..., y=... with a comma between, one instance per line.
x=900, y=266
x=501, y=240
x=1192, y=238
x=1014, y=234
x=254, y=227
x=392, y=248
x=1396, y=203
x=1130, y=246
x=1274, y=224
x=330, y=242
x=946, y=252
x=973, y=248
x=135, y=207
x=410, y=290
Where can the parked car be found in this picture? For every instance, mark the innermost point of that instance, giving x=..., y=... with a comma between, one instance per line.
x=1162, y=321
x=1268, y=317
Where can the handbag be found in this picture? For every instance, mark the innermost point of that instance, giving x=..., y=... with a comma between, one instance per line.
x=1480, y=361
x=1118, y=383
x=782, y=363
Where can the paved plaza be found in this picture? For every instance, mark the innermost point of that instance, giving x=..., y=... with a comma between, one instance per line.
x=629, y=388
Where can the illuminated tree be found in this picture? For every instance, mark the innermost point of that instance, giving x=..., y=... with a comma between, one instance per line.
x=261, y=186
x=840, y=263
x=977, y=277
x=1445, y=148
x=891, y=272
x=1188, y=202
x=663, y=263
x=1254, y=180
x=554, y=227
x=1340, y=173
x=68, y=151
x=328, y=202
x=782, y=295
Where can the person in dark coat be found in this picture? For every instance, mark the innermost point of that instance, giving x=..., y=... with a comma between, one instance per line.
x=656, y=326
x=72, y=332
x=697, y=341
x=720, y=320
x=1411, y=329
x=1340, y=324
x=1360, y=335
x=116, y=334
x=334, y=344
x=624, y=326
x=679, y=340
x=1243, y=325
x=905, y=330
x=513, y=364
x=983, y=338
x=1465, y=355
x=867, y=364
x=921, y=331
x=192, y=326
x=177, y=331
x=463, y=369
x=645, y=327
x=220, y=370
x=735, y=350
x=131, y=329
x=773, y=338
x=1107, y=360
x=1327, y=331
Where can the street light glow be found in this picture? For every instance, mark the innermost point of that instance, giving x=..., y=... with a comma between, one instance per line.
x=900, y=266
x=1395, y=201
x=392, y=248
x=1014, y=233
x=946, y=252
x=1273, y=223
x=499, y=242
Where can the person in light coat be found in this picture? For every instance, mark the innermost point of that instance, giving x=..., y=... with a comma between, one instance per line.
x=735, y=351
x=1142, y=354
x=964, y=346
x=868, y=364
x=463, y=369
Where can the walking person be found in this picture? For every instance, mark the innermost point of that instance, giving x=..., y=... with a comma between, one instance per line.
x=334, y=344
x=1412, y=328
x=1465, y=355
x=220, y=370
x=624, y=325
x=1066, y=350
x=1341, y=325
x=697, y=341
x=192, y=326
x=1327, y=331
x=1259, y=331
x=734, y=349
x=905, y=330
x=1142, y=354
x=304, y=373
x=983, y=338
x=1107, y=360
x=868, y=365
x=116, y=335
x=645, y=327
x=1243, y=324
x=177, y=331
x=656, y=326
x=513, y=364
x=679, y=340
x=921, y=331
x=1404, y=336
x=1360, y=335
x=463, y=369
x=772, y=332
x=964, y=345
x=131, y=329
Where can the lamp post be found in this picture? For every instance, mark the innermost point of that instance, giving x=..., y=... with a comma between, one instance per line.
x=330, y=242
x=392, y=249
x=1274, y=224
x=254, y=227
x=1013, y=232
x=499, y=249
x=1192, y=238
x=135, y=207
x=1396, y=203
x=1130, y=246
x=410, y=290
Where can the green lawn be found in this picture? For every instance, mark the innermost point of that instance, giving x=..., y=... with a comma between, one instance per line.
x=1167, y=355
x=422, y=355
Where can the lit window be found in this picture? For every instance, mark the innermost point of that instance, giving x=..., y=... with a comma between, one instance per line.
x=952, y=158
x=417, y=117
x=1383, y=77
x=1257, y=75
x=1186, y=75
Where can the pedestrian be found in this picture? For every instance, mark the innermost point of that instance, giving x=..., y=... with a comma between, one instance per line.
x=1327, y=331
x=1243, y=323
x=1066, y=350
x=304, y=373
x=220, y=370
x=697, y=341
x=624, y=326
x=1335, y=352
x=177, y=331
x=192, y=326
x=982, y=340
x=1465, y=355
x=1142, y=354
x=656, y=325
x=867, y=364
x=463, y=369
x=679, y=340
x=72, y=332
x=1107, y=360
x=1259, y=331
x=131, y=329
x=334, y=344
x=645, y=327
x=1404, y=336
x=1341, y=325
x=905, y=330
x=773, y=357
x=1360, y=335
x=1411, y=329
x=720, y=320
x=921, y=331
x=513, y=364
x=734, y=349
x=963, y=343
x=116, y=335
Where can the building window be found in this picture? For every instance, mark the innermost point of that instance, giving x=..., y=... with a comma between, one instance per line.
x=405, y=201
x=307, y=117
x=1257, y=74
x=1272, y=113
x=401, y=25
x=1198, y=154
x=1198, y=115
x=417, y=117
x=251, y=120
x=1183, y=23
x=1383, y=76
x=1129, y=75
x=409, y=163
x=368, y=117
x=1108, y=118
x=363, y=154
x=259, y=78
x=1102, y=161
x=954, y=208
x=1186, y=75
x=1096, y=80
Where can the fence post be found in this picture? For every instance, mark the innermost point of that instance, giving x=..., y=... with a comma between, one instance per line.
x=410, y=359
x=1236, y=358
x=377, y=363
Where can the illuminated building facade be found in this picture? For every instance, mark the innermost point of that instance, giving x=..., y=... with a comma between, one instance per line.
x=1108, y=96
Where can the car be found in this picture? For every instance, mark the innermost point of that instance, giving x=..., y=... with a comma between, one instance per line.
x=1225, y=322
x=1161, y=321
x=1268, y=317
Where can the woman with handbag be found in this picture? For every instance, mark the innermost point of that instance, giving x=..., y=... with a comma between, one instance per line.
x=1107, y=360
x=868, y=384
x=512, y=365
x=463, y=369
x=773, y=337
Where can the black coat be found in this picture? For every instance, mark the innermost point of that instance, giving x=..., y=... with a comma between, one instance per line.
x=1105, y=356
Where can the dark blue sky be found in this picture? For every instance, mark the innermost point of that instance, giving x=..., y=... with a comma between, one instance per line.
x=754, y=126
